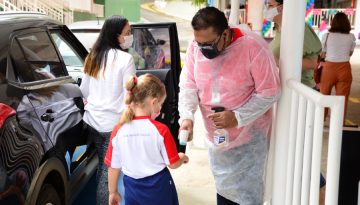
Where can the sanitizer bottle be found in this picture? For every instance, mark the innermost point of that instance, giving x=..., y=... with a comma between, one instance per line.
x=221, y=136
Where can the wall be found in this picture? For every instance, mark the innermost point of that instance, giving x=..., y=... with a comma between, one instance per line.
x=100, y=2
x=128, y=8
x=83, y=16
x=83, y=5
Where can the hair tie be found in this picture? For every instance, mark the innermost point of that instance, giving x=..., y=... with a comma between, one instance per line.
x=135, y=83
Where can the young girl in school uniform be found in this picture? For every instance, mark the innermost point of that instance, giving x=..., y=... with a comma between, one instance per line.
x=143, y=148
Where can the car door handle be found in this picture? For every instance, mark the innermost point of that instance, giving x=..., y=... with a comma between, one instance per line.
x=49, y=111
x=46, y=117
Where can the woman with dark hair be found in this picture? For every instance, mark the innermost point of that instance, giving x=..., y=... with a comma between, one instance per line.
x=107, y=68
x=338, y=46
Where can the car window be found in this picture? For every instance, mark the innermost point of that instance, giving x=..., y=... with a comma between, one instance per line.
x=73, y=61
x=70, y=57
x=35, y=58
x=87, y=38
x=151, y=48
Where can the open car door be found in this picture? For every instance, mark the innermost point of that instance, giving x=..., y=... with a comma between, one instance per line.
x=156, y=51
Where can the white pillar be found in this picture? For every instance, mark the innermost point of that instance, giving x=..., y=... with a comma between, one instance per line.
x=357, y=19
x=255, y=14
x=359, y=194
x=234, y=12
x=292, y=38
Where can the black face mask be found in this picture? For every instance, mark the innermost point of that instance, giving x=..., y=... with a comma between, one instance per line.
x=210, y=51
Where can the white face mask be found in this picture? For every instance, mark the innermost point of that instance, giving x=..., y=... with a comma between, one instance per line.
x=269, y=14
x=128, y=42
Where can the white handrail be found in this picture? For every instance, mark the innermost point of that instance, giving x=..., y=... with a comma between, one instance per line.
x=330, y=13
x=50, y=7
x=358, y=194
x=318, y=16
x=304, y=154
x=8, y=6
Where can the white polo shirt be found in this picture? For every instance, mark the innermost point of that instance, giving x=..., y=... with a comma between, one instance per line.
x=141, y=148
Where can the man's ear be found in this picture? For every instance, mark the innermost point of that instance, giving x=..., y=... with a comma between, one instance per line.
x=280, y=8
x=226, y=33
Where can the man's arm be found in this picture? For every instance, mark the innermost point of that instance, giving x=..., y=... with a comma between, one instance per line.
x=267, y=91
x=188, y=96
x=309, y=62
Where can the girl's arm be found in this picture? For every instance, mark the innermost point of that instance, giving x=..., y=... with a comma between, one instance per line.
x=113, y=178
x=183, y=160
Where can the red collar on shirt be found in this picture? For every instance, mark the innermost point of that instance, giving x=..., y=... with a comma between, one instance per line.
x=237, y=34
x=141, y=117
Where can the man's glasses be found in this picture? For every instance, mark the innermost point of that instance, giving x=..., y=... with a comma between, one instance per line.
x=207, y=45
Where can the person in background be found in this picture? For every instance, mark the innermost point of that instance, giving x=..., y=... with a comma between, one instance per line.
x=142, y=148
x=312, y=44
x=107, y=67
x=232, y=72
x=228, y=10
x=323, y=28
x=337, y=51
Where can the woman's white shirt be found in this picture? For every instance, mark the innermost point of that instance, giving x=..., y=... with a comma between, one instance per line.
x=105, y=95
x=338, y=46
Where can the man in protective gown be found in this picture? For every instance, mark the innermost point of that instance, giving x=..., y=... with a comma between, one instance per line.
x=233, y=69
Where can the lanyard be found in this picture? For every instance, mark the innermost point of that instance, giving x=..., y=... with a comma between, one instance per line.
x=215, y=84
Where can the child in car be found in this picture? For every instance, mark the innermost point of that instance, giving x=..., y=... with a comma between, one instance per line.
x=143, y=148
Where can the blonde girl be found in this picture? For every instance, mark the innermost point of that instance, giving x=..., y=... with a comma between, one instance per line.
x=143, y=148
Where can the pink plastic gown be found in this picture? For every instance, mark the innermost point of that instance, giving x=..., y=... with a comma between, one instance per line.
x=244, y=79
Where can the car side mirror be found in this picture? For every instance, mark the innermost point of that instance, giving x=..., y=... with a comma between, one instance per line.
x=160, y=42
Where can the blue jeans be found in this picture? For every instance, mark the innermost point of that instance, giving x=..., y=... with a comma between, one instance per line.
x=101, y=140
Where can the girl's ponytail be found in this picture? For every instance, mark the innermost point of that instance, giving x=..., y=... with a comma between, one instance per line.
x=128, y=113
x=127, y=116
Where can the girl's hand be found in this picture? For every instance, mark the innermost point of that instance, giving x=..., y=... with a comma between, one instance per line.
x=114, y=198
x=184, y=157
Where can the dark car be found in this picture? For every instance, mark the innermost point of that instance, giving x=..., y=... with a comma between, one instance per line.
x=45, y=154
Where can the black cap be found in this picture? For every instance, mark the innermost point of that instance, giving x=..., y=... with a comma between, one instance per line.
x=218, y=109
